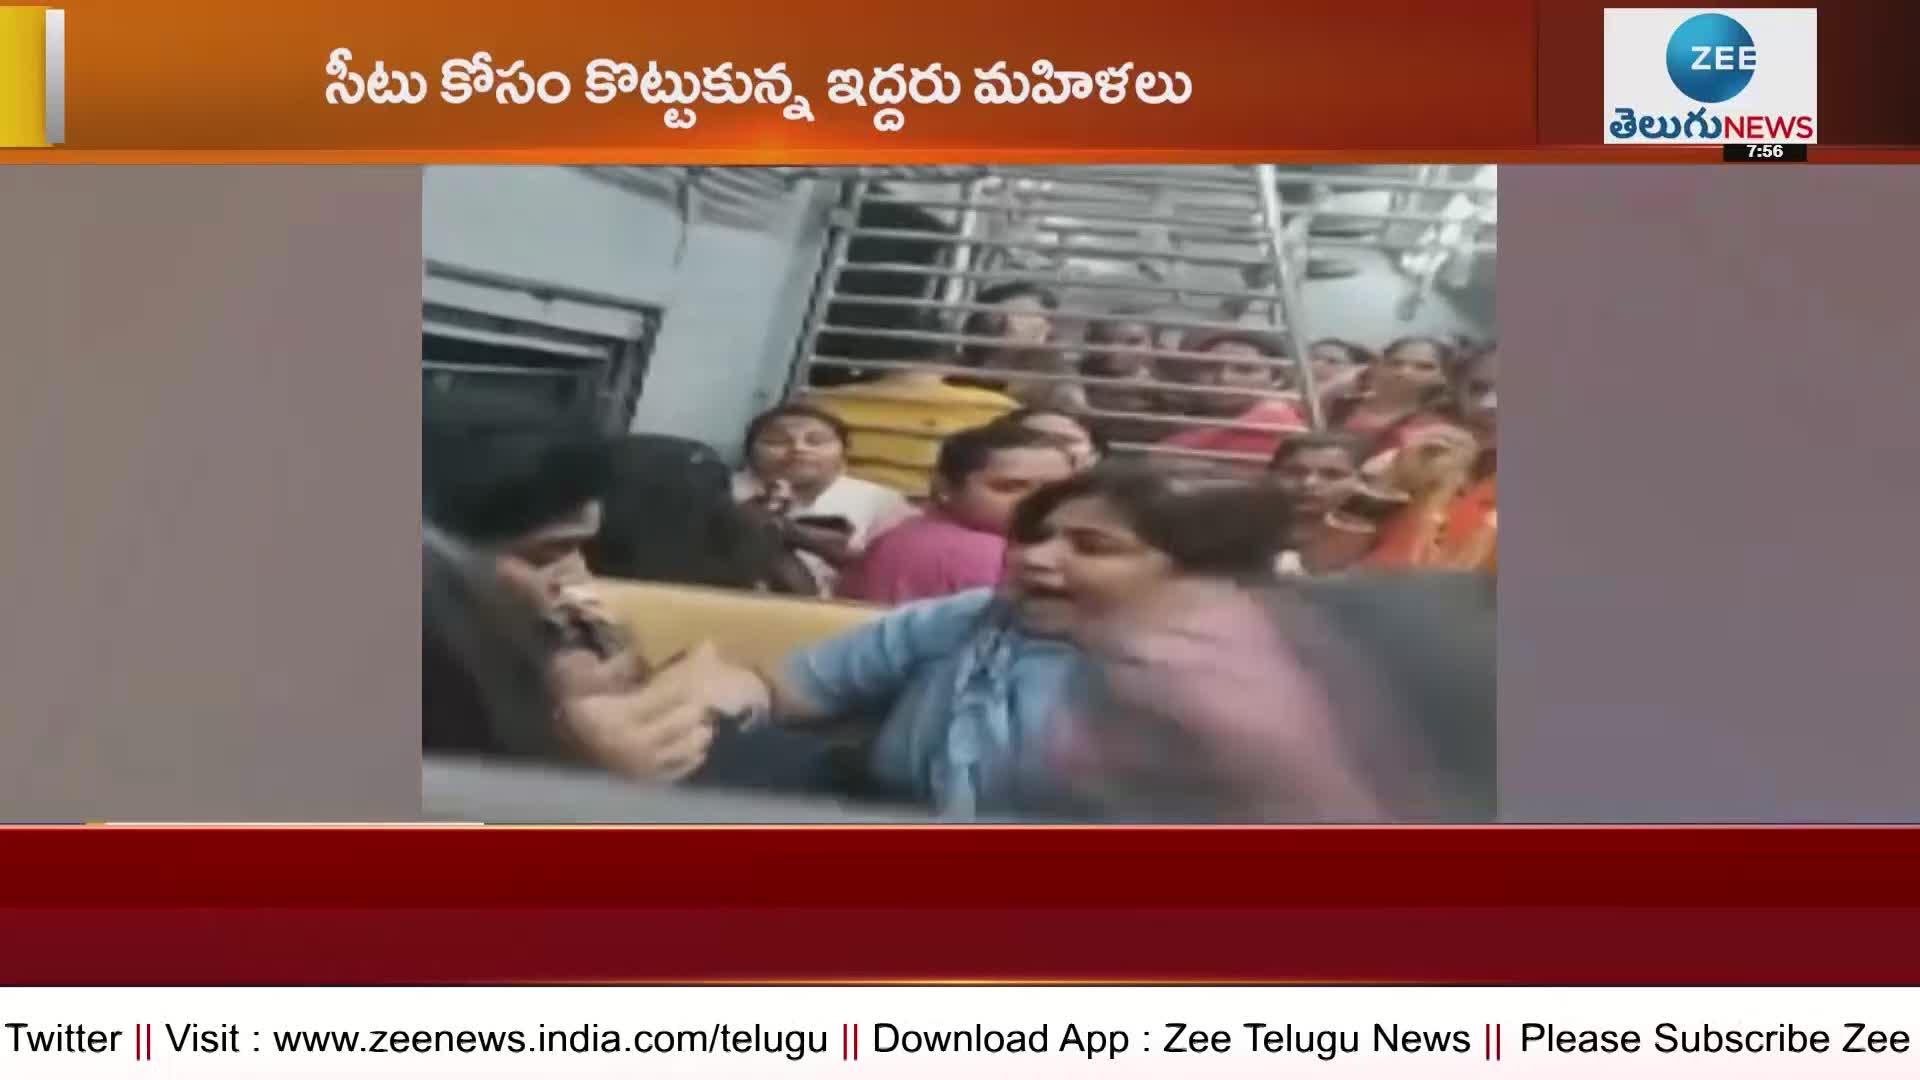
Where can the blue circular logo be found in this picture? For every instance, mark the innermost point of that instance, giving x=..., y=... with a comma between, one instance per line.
x=1711, y=58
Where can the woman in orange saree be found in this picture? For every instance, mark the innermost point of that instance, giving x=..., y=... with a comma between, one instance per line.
x=1449, y=476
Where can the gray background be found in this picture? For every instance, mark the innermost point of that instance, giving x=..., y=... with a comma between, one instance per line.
x=209, y=422
x=209, y=464
x=1707, y=591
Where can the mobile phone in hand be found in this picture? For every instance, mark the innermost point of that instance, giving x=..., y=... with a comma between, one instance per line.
x=832, y=522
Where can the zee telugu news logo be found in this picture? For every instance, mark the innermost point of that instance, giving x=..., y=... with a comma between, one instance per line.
x=1711, y=58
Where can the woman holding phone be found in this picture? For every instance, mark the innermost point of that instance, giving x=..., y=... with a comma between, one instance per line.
x=797, y=477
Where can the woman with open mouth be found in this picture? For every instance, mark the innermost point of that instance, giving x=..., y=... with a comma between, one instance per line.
x=963, y=692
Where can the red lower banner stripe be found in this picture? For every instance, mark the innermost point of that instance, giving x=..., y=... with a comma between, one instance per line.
x=1863, y=947
x=1834, y=906
x=1059, y=869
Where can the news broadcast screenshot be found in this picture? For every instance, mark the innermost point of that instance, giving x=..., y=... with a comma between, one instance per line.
x=959, y=540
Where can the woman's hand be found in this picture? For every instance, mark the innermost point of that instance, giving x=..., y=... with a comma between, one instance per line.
x=661, y=731
x=724, y=688
x=579, y=673
x=1432, y=459
x=775, y=500
x=835, y=545
x=653, y=734
x=603, y=663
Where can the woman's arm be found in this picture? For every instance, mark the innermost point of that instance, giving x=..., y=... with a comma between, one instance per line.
x=657, y=727
x=867, y=668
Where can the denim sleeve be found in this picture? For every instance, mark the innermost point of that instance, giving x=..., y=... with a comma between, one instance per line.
x=869, y=667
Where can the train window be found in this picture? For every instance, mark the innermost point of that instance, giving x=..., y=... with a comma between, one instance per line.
x=489, y=351
x=464, y=367
x=1178, y=300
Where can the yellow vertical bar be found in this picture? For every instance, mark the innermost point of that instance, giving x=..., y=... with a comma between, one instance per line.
x=23, y=76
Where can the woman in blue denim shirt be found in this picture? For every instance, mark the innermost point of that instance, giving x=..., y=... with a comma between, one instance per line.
x=966, y=689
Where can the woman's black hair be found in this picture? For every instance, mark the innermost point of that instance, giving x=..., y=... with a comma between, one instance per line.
x=994, y=323
x=1339, y=411
x=489, y=483
x=967, y=452
x=671, y=517
x=1294, y=445
x=1358, y=355
x=1103, y=330
x=1014, y=290
x=1271, y=345
x=1217, y=528
x=759, y=424
x=1446, y=352
x=1019, y=417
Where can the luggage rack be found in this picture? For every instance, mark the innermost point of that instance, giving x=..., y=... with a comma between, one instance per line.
x=1186, y=248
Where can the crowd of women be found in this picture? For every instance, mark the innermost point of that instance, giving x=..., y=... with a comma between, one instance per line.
x=1093, y=613
x=1401, y=466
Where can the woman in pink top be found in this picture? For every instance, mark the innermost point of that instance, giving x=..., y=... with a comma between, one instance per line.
x=960, y=541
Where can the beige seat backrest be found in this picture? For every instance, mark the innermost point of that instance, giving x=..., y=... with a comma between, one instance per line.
x=757, y=630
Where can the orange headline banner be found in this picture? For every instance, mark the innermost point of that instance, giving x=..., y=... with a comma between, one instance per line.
x=747, y=82
x=767, y=83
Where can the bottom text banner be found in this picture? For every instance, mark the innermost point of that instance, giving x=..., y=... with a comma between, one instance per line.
x=970, y=1031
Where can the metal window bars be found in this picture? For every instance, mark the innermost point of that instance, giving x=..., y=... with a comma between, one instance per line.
x=1184, y=249
x=549, y=351
x=744, y=197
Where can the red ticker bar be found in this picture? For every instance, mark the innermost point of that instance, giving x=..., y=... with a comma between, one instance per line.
x=1491, y=905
